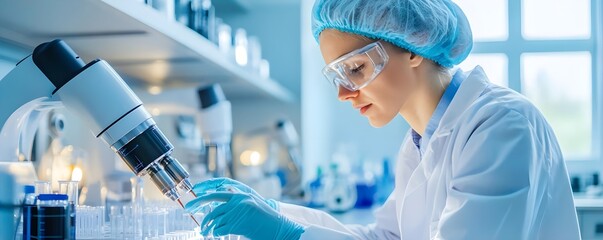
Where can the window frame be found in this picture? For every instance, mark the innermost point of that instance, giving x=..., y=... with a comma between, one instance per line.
x=515, y=45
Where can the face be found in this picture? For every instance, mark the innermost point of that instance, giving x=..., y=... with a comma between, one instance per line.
x=383, y=98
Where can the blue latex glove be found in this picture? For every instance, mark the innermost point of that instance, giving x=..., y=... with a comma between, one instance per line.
x=227, y=184
x=244, y=214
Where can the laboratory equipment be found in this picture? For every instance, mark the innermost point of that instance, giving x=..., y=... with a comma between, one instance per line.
x=224, y=37
x=182, y=10
x=165, y=7
x=29, y=201
x=53, y=218
x=216, y=125
x=365, y=193
x=138, y=204
x=162, y=220
x=264, y=70
x=97, y=94
x=117, y=190
x=57, y=161
x=254, y=53
x=385, y=183
x=42, y=187
x=7, y=205
x=287, y=136
x=13, y=176
x=90, y=222
x=274, y=149
x=341, y=191
x=69, y=188
x=315, y=196
x=575, y=183
x=241, y=47
x=202, y=18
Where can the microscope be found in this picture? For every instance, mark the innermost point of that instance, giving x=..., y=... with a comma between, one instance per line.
x=216, y=126
x=287, y=136
x=54, y=73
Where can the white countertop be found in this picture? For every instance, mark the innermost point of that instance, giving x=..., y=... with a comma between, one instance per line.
x=585, y=203
x=365, y=216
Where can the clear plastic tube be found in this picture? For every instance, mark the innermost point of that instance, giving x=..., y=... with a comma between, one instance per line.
x=71, y=189
x=161, y=220
x=42, y=187
x=137, y=205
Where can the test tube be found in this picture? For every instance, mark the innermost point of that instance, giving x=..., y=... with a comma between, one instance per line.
x=137, y=206
x=117, y=222
x=71, y=189
x=42, y=187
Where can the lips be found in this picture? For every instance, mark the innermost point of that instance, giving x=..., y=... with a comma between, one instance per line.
x=363, y=108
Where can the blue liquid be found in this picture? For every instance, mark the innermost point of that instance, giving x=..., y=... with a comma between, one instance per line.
x=52, y=222
x=27, y=224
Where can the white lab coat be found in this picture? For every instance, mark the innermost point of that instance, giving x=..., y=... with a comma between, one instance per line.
x=491, y=170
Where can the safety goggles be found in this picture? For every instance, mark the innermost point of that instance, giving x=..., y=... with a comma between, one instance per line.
x=358, y=68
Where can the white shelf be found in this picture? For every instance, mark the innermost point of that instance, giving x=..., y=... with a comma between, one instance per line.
x=136, y=40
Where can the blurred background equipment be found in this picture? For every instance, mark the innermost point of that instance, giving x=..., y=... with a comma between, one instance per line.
x=216, y=125
x=270, y=160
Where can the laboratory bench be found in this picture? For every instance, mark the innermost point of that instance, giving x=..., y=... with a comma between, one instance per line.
x=590, y=216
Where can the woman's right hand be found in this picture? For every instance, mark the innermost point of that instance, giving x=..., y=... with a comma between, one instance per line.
x=229, y=185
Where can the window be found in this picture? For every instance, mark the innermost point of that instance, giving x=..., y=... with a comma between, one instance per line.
x=548, y=51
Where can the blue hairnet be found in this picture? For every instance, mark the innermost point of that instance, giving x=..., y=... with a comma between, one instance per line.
x=434, y=29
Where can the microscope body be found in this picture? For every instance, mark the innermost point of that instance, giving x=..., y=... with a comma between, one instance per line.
x=100, y=97
x=216, y=126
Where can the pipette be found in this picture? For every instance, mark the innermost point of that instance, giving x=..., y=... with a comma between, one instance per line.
x=193, y=217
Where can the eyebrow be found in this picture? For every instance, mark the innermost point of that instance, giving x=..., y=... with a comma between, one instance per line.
x=353, y=50
x=345, y=54
x=349, y=52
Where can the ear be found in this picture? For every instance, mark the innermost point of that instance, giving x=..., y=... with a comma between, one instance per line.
x=415, y=60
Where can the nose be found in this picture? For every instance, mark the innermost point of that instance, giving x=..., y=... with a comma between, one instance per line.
x=344, y=94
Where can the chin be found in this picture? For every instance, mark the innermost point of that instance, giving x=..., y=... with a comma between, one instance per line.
x=378, y=122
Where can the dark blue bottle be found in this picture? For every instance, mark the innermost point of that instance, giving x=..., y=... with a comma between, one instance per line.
x=29, y=202
x=53, y=218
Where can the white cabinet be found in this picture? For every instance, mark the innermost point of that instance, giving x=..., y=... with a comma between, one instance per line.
x=591, y=224
x=590, y=217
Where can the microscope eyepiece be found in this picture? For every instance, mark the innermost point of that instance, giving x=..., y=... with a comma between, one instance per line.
x=58, y=62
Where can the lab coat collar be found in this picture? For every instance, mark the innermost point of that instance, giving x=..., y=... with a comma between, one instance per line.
x=438, y=113
x=471, y=88
x=473, y=85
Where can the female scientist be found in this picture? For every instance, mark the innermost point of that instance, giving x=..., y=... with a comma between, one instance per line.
x=480, y=161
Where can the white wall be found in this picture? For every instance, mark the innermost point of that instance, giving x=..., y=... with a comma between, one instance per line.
x=5, y=67
x=327, y=123
x=9, y=56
